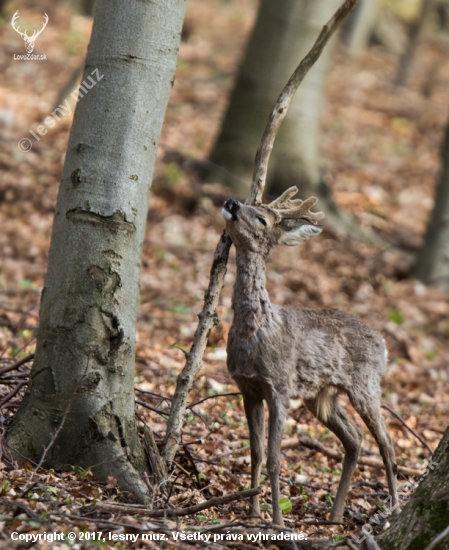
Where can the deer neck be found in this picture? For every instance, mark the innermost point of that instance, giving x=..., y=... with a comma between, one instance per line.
x=250, y=300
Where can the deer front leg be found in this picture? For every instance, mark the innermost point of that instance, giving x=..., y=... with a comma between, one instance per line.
x=276, y=423
x=256, y=424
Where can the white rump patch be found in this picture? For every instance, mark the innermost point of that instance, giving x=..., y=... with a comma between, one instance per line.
x=325, y=402
x=226, y=214
x=386, y=351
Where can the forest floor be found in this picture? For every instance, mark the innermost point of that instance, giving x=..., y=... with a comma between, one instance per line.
x=380, y=149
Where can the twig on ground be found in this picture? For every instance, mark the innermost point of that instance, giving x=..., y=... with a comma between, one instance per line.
x=409, y=428
x=150, y=408
x=145, y=392
x=192, y=462
x=315, y=445
x=12, y=393
x=17, y=364
x=322, y=522
x=215, y=501
x=209, y=317
x=116, y=524
x=181, y=468
x=213, y=397
x=22, y=506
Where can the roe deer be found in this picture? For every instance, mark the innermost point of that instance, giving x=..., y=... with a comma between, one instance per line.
x=279, y=352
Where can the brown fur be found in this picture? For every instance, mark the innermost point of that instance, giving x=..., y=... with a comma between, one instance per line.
x=276, y=353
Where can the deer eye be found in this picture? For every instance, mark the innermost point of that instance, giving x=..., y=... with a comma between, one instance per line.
x=262, y=220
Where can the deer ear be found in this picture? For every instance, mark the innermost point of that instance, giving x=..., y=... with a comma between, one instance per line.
x=300, y=234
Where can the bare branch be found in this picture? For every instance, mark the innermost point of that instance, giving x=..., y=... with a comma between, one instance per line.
x=17, y=364
x=315, y=445
x=12, y=393
x=280, y=109
x=215, y=501
x=208, y=316
x=409, y=428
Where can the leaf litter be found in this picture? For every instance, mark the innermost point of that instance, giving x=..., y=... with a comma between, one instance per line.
x=380, y=156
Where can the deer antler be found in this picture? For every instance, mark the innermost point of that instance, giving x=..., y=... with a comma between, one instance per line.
x=286, y=207
x=13, y=23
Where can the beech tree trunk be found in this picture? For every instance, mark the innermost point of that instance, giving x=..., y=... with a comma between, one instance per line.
x=432, y=265
x=284, y=31
x=81, y=385
x=426, y=515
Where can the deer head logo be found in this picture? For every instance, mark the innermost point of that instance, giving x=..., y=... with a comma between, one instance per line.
x=29, y=40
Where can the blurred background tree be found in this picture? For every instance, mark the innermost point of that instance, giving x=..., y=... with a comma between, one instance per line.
x=432, y=265
x=360, y=26
x=284, y=32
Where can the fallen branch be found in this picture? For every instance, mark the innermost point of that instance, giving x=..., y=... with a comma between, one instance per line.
x=233, y=394
x=22, y=506
x=315, y=445
x=150, y=408
x=166, y=512
x=12, y=393
x=409, y=428
x=208, y=316
x=17, y=364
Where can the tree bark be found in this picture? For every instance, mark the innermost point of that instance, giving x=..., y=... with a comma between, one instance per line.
x=432, y=265
x=81, y=383
x=285, y=30
x=426, y=514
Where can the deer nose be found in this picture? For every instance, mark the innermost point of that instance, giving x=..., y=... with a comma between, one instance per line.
x=232, y=205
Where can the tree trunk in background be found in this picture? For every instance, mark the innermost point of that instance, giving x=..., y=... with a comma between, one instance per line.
x=284, y=32
x=82, y=380
x=426, y=514
x=360, y=26
x=432, y=265
x=416, y=31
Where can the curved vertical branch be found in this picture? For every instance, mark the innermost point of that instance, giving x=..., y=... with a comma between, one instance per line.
x=282, y=104
x=208, y=316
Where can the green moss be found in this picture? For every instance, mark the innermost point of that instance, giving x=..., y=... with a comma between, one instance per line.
x=420, y=542
x=436, y=516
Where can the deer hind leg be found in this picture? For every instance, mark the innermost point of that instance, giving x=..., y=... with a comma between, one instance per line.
x=338, y=422
x=277, y=413
x=370, y=411
x=256, y=423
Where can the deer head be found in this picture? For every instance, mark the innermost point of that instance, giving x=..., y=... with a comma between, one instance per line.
x=29, y=40
x=283, y=221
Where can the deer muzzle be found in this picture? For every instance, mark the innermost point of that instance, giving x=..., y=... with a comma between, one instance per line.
x=231, y=207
